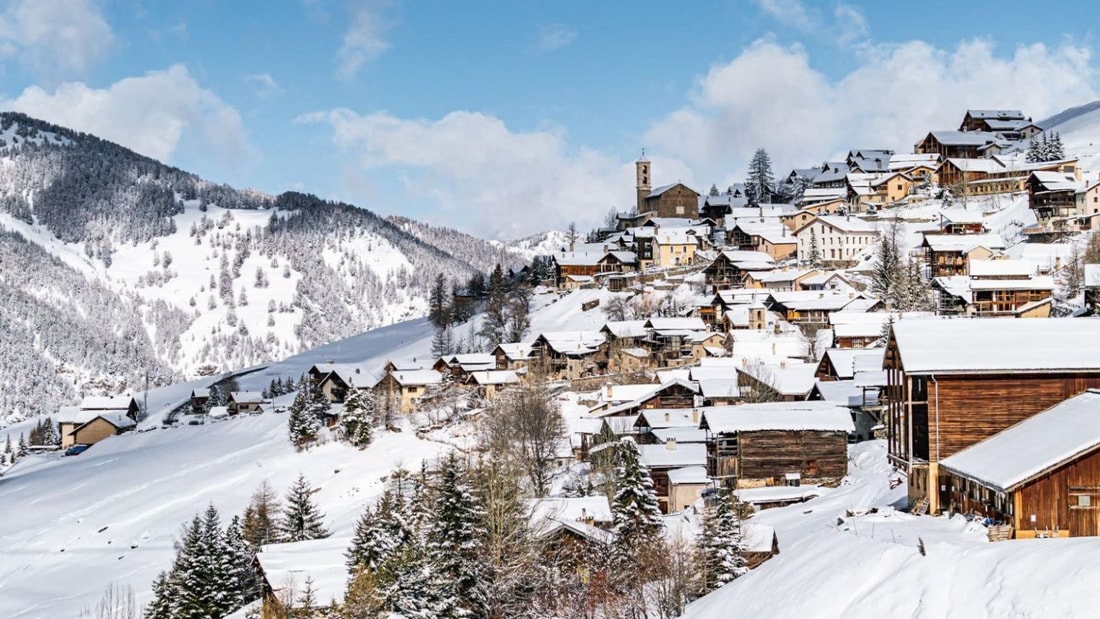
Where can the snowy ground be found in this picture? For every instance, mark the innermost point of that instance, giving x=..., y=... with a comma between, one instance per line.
x=870, y=565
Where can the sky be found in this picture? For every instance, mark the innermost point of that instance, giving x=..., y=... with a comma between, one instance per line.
x=504, y=119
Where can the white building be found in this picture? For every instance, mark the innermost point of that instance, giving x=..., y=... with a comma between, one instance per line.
x=839, y=238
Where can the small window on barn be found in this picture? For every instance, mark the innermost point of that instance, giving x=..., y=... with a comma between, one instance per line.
x=1084, y=500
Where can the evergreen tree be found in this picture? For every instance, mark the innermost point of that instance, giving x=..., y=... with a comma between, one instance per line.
x=302, y=425
x=380, y=532
x=245, y=585
x=888, y=270
x=635, y=511
x=24, y=451
x=437, y=301
x=409, y=587
x=50, y=434
x=7, y=445
x=713, y=190
x=1057, y=151
x=161, y=606
x=358, y=418
x=815, y=251
x=301, y=520
x=719, y=543
x=518, y=319
x=495, y=323
x=318, y=406
x=455, y=539
x=758, y=186
x=259, y=523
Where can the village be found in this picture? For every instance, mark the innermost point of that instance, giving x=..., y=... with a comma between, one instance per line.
x=745, y=340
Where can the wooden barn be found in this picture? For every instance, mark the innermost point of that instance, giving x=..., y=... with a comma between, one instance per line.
x=775, y=443
x=1041, y=476
x=284, y=568
x=954, y=383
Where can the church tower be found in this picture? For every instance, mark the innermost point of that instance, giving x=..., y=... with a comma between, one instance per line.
x=644, y=186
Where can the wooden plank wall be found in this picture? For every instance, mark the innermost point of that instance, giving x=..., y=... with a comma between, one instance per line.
x=1049, y=498
x=772, y=454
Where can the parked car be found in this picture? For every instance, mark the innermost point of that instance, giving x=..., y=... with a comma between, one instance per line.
x=76, y=450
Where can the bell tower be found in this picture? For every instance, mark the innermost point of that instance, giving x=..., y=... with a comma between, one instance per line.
x=644, y=186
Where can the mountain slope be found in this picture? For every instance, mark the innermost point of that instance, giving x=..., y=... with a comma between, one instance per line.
x=204, y=277
x=1079, y=128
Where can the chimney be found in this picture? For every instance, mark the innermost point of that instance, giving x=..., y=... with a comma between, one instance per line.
x=783, y=365
x=694, y=415
x=851, y=295
x=670, y=444
x=667, y=416
x=744, y=362
x=606, y=248
x=773, y=348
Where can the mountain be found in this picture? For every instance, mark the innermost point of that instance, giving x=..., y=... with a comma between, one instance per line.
x=124, y=269
x=480, y=253
x=1079, y=128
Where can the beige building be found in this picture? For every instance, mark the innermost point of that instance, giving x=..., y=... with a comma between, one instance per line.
x=404, y=388
x=675, y=247
x=838, y=239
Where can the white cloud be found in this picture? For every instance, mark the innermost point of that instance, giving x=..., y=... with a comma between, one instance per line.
x=365, y=39
x=148, y=114
x=55, y=38
x=851, y=25
x=483, y=176
x=555, y=36
x=263, y=85
x=771, y=96
x=790, y=12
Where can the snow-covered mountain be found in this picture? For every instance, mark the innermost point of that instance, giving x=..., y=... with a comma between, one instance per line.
x=481, y=253
x=1079, y=128
x=117, y=267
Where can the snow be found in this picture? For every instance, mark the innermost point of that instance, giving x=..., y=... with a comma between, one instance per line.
x=672, y=455
x=997, y=345
x=689, y=475
x=792, y=416
x=1016, y=454
x=321, y=560
x=775, y=494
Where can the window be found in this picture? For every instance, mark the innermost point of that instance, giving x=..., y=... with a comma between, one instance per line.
x=1084, y=497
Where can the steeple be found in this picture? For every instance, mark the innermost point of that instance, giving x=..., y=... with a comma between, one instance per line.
x=644, y=186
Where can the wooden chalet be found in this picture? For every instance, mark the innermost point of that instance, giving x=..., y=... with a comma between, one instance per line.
x=1040, y=476
x=199, y=399
x=675, y=393
x=284, y=568
x=88, y=427
x=490, y=383
x=995, y=288
x=598, y=261
x=512, y=355
x=785, y=381
x=671, y=341
x=402, y=390
x=809, y=307
x=775, y=443
x=956, y=144
x=666, y=463
x=568, y=355
x=729, y=267
x=337, y=379
x=954, y=383
x=961, y=221
x=992, y=120
x=950, y=254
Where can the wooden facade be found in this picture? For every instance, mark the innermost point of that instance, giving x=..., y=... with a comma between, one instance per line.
x=746, y=459
x=932, y=416
x=679, y=200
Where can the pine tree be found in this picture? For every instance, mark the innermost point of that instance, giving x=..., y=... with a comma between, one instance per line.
x=888, y=270
x=301, y=520
x=379, y=532
x=719, y=543
x=455, y=538
x=245, y=586
x=358, y=417
x=188, y=578
x=7, y=445
x=24, y=451
x=437, y=301
x=302, y=425
x=636, y=514
x=161, y=606
x=758, y=187
x=318, y=406
x=49, y=434
x=259, y=525
x=1057, y=151
x=494, y=323
x=409, y=587
x=815, y=251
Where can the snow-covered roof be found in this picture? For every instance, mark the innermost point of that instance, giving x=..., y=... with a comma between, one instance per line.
x=680, y=435
x=844, y=359
x=351, y=374
x=998, y=345
x=676, y=324
x=1031, y=447
x=247, y=397
x=789, y=378
x=772, y=494
x=840, y=392
x=119, y=419
x=964, y=138
x=105, y=403
x=412, y=378
x=570, y=508
x=663, y=188
x=1092, y=275
x=783, y=275
x=200, y=393
x=1040, y=282
x=720, y=388
x=495, y=377
x=963, y=242
x=807, y=300
x=790, y=416
x=321, y=560
x=516, y=350
x=672, y=455
x=847, y=223
x=669, y=418
x=626, y=328
x=688, y=475
x=996, y=114
x=961, y=216
x=75, y=414
x=1001, y=268
x=745, y=255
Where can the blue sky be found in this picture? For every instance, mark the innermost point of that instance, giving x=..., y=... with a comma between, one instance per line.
x=507, y=118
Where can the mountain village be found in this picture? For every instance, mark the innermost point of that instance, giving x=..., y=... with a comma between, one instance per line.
x=922, y=320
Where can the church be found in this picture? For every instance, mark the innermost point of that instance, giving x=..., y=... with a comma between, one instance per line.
x=675, y=200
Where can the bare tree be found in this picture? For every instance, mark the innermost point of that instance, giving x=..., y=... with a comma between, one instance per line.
x=117, y=603
x=525, y=426
x=759, y=385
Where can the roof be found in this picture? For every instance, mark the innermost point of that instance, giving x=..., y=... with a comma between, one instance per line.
x=688, y=475
x=104, y=403
x=626, y=328
x=1033, y=446
x=573, y=342
x=676, y=324
x=200, y=393
x=682, y=436
x=1092, y=275
x=495, y=377
x=997, y=114
x=350, y=374
x=844, y=223
x=840, y=392
x=789, y=378
x=963, y=242
x=247, y=397
x=74, y=414
x=516, y=350
x=805, y=300
x=672, y=455
x=570, y=508
x=998, y=345
x=964, y=138
x=669, y=418
x=417, y=377
x=321, y=560
x=845, y=360
x=663, y=188
x=790, y=416
x=119, y=419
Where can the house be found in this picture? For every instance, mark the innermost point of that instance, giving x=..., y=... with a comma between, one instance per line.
x=777, y=443
x=729, y=267
x=284, y=568
x=1041, y=475
x=651, y=422
x=567, y=355
x=337, y=379
x=572, y=531
x=200, y=397
x=401, y=390
x=995, y=288
x=954, y=383
x=840, y=363
x=785, y=381
x=809, y=306
x=950, y=254
x=674, y=247
x=671, y=341
x=245, y=402
x=662, y=460
x=1063, y=205
x=461, y=366
x=956, y=144
x=770, y=236
x=919, y=167
x=992, y=120
x=512, y=355
x=573, y=267
x=87, y=427
x=831, y=176
x=961, y=221
x=686, y=486
x=490, y=383
x=111, y=403
x=834, y=239
x=674, y=393
x=869, y=161
x=785, y=279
